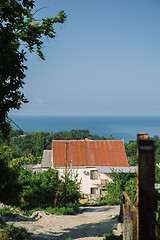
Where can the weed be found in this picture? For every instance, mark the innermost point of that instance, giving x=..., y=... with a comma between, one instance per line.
x=70, y=209
x=111, y=236
x=7, y=212
x=14, y=233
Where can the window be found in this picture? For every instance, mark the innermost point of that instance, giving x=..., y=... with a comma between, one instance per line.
x=94, y=190
x=94, y=174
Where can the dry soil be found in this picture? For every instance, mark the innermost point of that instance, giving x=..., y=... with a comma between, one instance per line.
x=90, y=224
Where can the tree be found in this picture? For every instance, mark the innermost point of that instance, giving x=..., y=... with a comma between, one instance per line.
x=121, y=181
x=8, y=177
x=19, y=30
x=131, y=150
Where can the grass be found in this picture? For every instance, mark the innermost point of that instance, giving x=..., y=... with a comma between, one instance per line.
x=10, y=232
x=111, y=236
x=7, y=212
x=106, y=201
x=71, y=209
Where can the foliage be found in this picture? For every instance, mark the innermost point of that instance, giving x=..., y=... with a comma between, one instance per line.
x=19, y=30
x=121, y=181
x=157, y=232
x=18, y=162
x=32, y=145
x=8, y=177
x=131, y=150
x=28, y=190
x=69, y=189
x=111, y=236
x=157, y=174
x=70, y=209
x=38, y=189
x=46, y=190
x=10, y=232
x=6, y=211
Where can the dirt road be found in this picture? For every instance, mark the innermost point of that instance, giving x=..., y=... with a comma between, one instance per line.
x=90, y=224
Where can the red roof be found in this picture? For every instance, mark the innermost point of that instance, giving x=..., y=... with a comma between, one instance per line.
x=89, y=153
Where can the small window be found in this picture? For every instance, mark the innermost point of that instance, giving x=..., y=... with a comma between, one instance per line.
x=94, y=190
x=94, y=174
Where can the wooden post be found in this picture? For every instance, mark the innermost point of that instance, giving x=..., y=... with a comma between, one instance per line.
x=146, y=203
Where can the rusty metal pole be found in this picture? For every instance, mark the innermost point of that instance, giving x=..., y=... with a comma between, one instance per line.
x=146, y=203
x=66, y=147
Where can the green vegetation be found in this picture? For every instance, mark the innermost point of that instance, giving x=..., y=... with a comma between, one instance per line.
x=29, y=148
x=6, y=211
x=158, y=222
x=121, y=182
x=111, y=236
x=131, y=150
x=40, y=190
x=12, y=212
x=45, y=191
x=9, y=232
x=29, y=191
x=16, y=151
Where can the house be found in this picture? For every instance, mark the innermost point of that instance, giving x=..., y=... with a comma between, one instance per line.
x=35, y=168
x=47, y=160
x=93, y=160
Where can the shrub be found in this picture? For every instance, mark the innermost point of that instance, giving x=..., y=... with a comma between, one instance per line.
x=121, y=181
x=111, y=236
x=158, y=222
x=47, y=190
x=7, y=212
x=10, y=232
x=69, y=210
x=110, y=201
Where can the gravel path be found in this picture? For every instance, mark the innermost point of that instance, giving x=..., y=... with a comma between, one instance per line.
x=90, y=224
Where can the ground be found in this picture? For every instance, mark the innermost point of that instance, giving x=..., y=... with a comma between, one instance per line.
x=90, y=224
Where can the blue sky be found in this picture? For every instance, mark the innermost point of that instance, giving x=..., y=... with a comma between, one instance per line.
x=104, y=60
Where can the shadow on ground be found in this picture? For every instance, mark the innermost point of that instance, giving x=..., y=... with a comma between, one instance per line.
x=81, y=231
x=96, y=209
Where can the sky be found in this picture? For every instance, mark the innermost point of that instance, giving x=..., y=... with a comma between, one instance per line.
x=104, y=60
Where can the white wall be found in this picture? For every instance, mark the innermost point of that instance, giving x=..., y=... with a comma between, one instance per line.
x=84, y=174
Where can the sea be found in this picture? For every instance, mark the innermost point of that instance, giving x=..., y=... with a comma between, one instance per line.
x=120, y=127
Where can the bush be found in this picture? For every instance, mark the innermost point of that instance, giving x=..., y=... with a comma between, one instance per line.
x=121, y=181
x=7, y=212
x=46, y=190
x=69, y=210
x=109, y=200
x=28, y=191
x=158, y=222
x=38, y=190
x=111, y=236
x=10, y=232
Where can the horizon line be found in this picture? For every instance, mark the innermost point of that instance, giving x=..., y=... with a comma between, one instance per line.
x=12, y=115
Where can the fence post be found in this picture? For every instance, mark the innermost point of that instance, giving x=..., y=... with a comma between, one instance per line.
x=146, y=203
